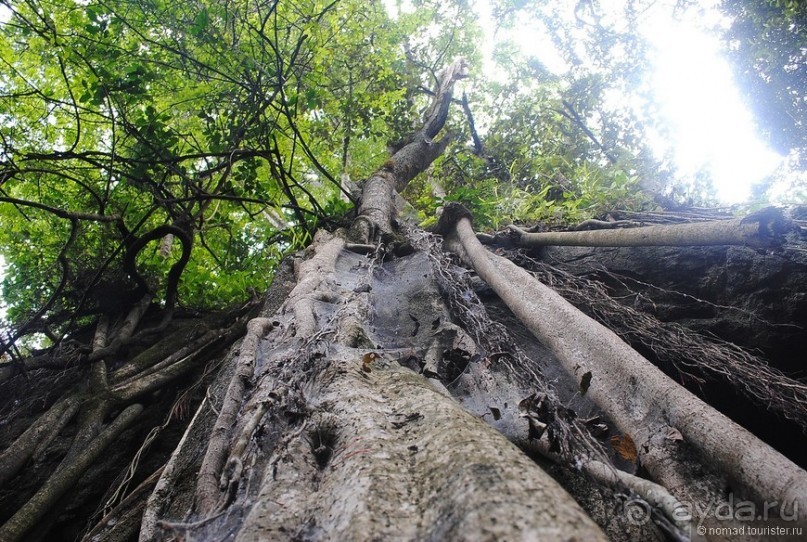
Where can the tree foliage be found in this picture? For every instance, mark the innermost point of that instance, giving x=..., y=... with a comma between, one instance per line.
x=605, y=55
x=766, y=43
x=133, y=132
x=229, y=122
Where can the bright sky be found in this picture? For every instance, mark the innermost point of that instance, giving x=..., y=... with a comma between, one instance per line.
x=709, y=126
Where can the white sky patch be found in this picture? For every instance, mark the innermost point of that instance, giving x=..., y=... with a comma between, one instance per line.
x=710, y=126
x=529, y=35
x=395, y=7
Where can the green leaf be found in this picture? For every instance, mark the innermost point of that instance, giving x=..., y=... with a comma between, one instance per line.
x=200, y=23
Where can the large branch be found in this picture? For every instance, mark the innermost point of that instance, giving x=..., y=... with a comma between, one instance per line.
x=43, y=430
x=640, y=399
x=376, y=214
x=60, y=482
x=761, y=229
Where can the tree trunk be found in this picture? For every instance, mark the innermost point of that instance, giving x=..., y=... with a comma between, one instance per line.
x=642, y=401
x=367, y=449
x=325, y=431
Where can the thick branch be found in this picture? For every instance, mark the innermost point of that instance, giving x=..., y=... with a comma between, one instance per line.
x=124, y=334
x=639, y=398
x=174, y=366
x=60, y=482
x=762, y=229
x=45, y=428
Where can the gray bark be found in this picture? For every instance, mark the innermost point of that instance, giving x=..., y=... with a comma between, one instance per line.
x=377, y=213
x=379, y=452
x=62, y=480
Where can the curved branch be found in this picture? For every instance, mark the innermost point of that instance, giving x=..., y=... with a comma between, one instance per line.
x=74, y=103
x=174, y=273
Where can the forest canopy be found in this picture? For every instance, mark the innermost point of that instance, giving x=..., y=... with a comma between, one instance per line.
x=183, y=148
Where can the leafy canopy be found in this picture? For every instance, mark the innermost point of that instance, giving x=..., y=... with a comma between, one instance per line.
x=147, y=145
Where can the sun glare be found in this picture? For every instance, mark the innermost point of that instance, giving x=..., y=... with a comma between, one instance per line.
x=710, y=127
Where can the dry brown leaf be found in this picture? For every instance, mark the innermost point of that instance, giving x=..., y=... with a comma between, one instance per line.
x=367, y=361
x=625, y=447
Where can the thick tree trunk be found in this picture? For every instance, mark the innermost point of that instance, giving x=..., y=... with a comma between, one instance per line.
x=376, y=451
x=325, y=431
x=363, y=407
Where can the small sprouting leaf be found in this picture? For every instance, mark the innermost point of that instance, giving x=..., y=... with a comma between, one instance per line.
x=585, y=382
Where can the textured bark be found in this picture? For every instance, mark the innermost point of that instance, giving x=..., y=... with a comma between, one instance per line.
x=206, y=489
x=376, y=213
x=640, y=399
x=408, y=464
x=67, y=456
x=46, y=427
x=376, y=450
